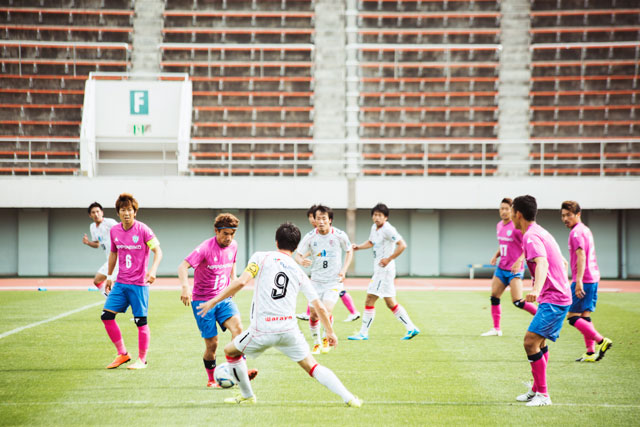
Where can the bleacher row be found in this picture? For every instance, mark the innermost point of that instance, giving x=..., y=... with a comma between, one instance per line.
x=427, y=83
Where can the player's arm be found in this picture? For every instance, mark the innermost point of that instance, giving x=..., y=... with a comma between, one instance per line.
x=93, y=243
x=233, y=276
x=233, y=288
x=542, y=268
x=581, y=261
x=323, y=314
x=366, y=245
x=113, y=258
x=154, y=245
x=345, y=267
x=494, y=260
x=183, y=278
x=302, y=259
x=517, y=265
x=400, y=247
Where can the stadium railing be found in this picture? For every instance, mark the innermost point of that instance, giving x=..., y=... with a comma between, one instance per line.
x=33, y=155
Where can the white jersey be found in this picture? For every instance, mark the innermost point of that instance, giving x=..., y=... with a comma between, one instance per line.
x=101, y=234
x=384, y=241
x=278, y=281
x=326, y=253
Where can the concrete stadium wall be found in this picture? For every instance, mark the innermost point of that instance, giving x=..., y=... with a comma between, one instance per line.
x=43, y=242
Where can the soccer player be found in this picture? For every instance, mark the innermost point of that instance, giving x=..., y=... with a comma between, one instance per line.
x=273, y=320
x=131, y=241
x=326, y=244
x=585, y=276
x=510, y=270
x=344, y=295
x=387, y=245
x=550, y=289
x=214, y=261
x=100, y=238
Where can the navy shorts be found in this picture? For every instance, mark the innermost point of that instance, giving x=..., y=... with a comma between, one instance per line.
x=506, y=276
x=122, y=296
x=220, y=313
x=548, y=320
x=588, y=302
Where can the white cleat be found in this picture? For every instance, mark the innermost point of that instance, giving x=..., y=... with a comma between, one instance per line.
x=540, y=400
x=302, y=316
x=493, y=332
x=354, y=403
x=526, y=397
x=352, y=317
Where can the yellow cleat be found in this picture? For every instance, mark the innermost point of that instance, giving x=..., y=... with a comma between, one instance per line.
x=239, y=400
x=354, y=403
x=601, y=348
x=315, y=349
x=588, y=358
x=326, y=348
x=138, y=365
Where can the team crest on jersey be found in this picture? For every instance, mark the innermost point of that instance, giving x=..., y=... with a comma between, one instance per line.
x=135, y=239
x=230, y=255
x=215, y=258
x=509, y=232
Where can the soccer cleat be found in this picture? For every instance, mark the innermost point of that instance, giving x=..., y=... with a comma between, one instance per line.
x=354, y=403
x=352, y=317
x=302, y=316
x=138, y=365
x=252, y=373
x=411, y=334
x=315, y=349
x=602, y=348
x=358, y=337
x=119, y=360
x=588, y=358
x=213, y=384
x=239, y=400
x=526, y=397
x=493, y=332
x=539, y=400
x=326, y=348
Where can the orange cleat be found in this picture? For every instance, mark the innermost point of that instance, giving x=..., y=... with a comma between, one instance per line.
x=252, y=374
x=119, y=360
x=213, y=384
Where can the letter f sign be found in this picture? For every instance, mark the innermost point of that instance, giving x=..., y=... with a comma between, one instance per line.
x=139, y=102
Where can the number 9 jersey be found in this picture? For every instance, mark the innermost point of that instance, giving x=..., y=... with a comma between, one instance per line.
x=278, y=279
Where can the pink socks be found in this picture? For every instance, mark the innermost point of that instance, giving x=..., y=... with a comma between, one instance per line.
x=495, y=315
x=348, y=303
x=539, y=371
x=531, y=308
x=143, y=342
x=114, y=334
x=587, y=329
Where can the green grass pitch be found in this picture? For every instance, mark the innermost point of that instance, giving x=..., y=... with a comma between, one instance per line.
x=54, y=373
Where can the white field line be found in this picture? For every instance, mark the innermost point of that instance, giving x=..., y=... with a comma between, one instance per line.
x=51, y=319
x=157, y=404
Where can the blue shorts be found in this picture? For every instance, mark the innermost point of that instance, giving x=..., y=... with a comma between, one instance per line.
x=220, y=313
x=506, y=276
x=588, y=303
x=122, y=296
x=548, y=320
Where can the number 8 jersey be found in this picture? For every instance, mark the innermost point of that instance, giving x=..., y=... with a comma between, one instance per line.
x=278, y=279
x=326, y=253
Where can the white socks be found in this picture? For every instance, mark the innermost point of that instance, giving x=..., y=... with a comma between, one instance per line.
x=327, y=378
x=367, y=319
x=238, y=368
x=403, y=317
x=314, y=327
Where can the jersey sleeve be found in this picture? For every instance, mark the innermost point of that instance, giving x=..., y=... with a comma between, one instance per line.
x=253, y=266
x=150, y=239
x=304, y=245
x=92, y=232
x=345, y=242
x=392, y=234
x=113, y=243
x=195, y=258
x=371, y=235
x=577, y=241
x=533, y=248
x=306, y=288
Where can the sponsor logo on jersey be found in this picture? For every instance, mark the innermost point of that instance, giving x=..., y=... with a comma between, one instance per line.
x=129, y=247
x=218, y=266
x=277, y=318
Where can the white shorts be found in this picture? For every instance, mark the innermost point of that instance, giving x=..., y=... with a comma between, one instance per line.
x=105, y=269
x=381, y=283
x=329, y=292
x=291, y=343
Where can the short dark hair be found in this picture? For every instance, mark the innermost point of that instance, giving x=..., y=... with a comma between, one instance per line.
x=507, y=200
x=527, y=206
x=312, y=210
x=324, y=209
x=288, y=236
x=382, y=208
x=572, y=206
x=94, y=205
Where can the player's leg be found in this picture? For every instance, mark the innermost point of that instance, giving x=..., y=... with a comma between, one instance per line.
x=351, y=307
x=402, y=316
x=329, y=300
x=580, y=317
x=116, y=303
x=533, y=344
x=327, y=378
x=209, y=332
x=497, y=289
x=314, y=328
x=367, y=317
x=233, y=324
x=209, y=359
x=238, y=366
x=139, y=300
x=516, y=297
x=100, y=277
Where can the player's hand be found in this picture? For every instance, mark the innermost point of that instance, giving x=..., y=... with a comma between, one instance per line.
x=108, y=286
x=341, y=277
x=354, y=247
x=150, y=277
x=494, y=260
x=531, y=297
x=185, y=297
x=306, y=262
x=384, y=262
x=85, y=239
x=333, y=339
x=515, y=268
x=579, y=289
x=204, y=307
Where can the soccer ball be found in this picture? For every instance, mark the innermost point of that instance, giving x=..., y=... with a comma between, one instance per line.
x=223, y=376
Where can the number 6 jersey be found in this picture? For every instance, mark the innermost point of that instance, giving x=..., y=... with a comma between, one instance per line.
x=326, y=253
x=278, y=279
x=132, y=247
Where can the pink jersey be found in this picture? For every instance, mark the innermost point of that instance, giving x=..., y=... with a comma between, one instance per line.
x=132, y=246
x=580, y=237
x=539, y=243
x=510, y=244
x=213, y=265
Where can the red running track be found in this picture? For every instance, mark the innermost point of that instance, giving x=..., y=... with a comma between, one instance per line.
x=403, y=284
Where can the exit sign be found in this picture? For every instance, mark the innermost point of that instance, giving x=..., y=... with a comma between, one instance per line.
x=141, y=130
